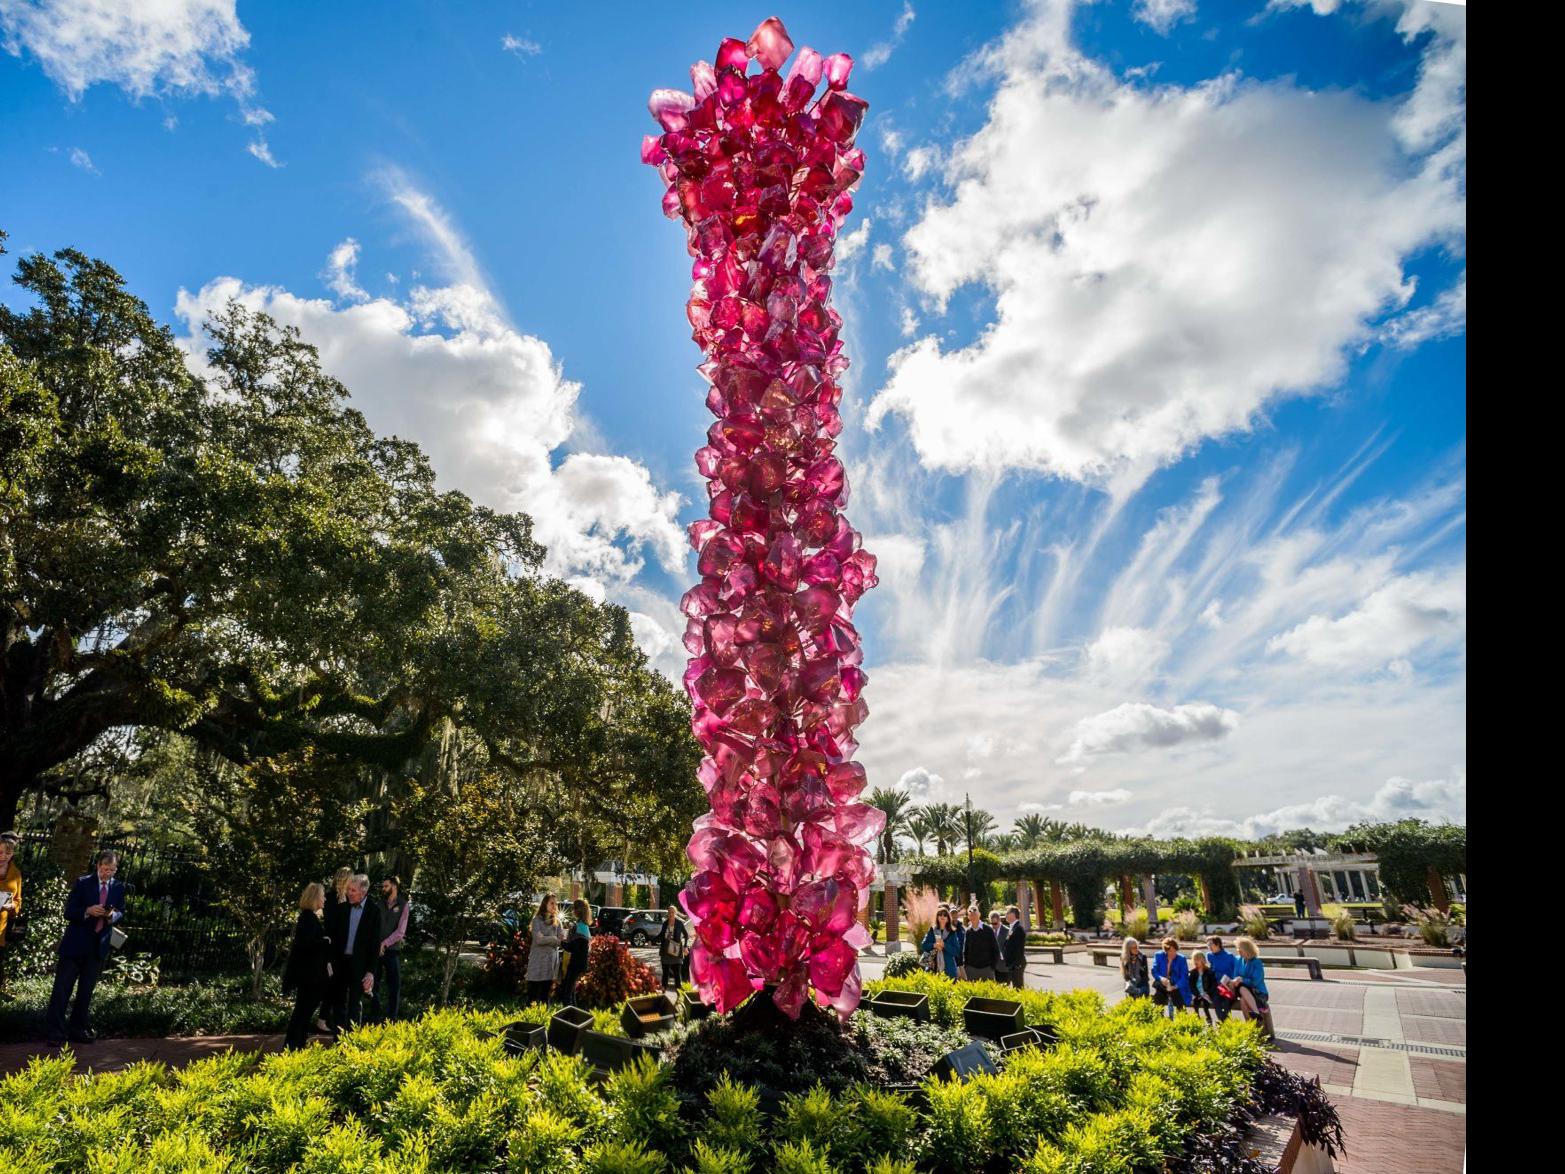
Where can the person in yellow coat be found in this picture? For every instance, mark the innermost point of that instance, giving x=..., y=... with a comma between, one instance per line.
x=10, y=895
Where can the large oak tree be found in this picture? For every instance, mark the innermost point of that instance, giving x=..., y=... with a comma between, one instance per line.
x=236, y=557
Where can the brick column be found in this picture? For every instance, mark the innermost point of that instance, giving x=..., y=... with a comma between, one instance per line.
x=657, y=894
x=1127, y=896
x=1149, y=895
x=893, y=920
x=616, y=894
x=1057, y=904
x=1437, y=891
x=575, y=889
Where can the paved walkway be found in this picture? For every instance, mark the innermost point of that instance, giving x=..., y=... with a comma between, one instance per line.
x=1390, y=1048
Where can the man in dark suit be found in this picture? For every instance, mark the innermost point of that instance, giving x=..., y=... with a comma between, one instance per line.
x=1015, y=948
x=96, y=902
x=355, y=929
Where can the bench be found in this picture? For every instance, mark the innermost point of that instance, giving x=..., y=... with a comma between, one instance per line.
x=1102, y=954
x=1057, y=952
x=1310, y=964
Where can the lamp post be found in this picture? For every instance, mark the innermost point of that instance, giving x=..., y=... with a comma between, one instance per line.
x=972, y=883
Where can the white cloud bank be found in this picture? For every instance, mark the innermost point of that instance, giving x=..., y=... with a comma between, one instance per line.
x=145, y=47
x=1166, y=261
x=1137, y=725
x=490, y=405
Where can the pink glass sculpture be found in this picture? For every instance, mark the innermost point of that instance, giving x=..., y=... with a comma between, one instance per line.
x=760, y=171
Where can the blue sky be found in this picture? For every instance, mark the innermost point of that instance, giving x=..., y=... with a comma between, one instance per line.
x=1157, y=313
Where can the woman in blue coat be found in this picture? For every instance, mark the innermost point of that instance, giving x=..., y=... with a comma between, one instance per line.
x=1170, y=978
x=1249, y=986
x=944, y=941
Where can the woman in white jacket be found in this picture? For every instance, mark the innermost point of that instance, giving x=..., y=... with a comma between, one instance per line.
x=543, y=951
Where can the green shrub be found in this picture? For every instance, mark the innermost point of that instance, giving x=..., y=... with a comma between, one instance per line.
x=642, y=1106
x=876, y=1122
x=800, y=1157
x=957, y=1135
x=1344, y=927
x=1186, y=926
x=710, y=1159
x=902, y=963
x=810, y=1117
x=1138, y=925
x=1433, y=926
x=544, y=1141
x=1253, y=923
x=622, y=1157
x=734, y=1121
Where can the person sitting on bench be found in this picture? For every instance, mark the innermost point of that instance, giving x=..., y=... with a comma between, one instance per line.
x=1205, y=996
x=1170, y=978
x=1248, y=985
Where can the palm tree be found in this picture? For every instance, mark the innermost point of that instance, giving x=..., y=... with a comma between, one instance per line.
x=1031, y=830
x=945, y=825
x=982, y=824
x=1000, y=842
x=896, y=804
x=917, y=828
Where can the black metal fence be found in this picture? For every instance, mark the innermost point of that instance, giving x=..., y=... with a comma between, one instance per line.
x=171, y=912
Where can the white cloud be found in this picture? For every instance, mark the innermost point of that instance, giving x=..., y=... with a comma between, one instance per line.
x=920, y=161
x=1444, y=317
x=891, y=140
x=853, y=241
x=488, y=403
x=1437, y=800
x=1408, y=613
x=520, y=46
x=1174, y=261
x=81, y=159
x=1113, y=798
x=880, y=53
x=150, y=47
x=340, y=272
x=1163, y=15
x=1125, y=656
x=1137, y=725
x=882, y=257
x=908, y=324
x=923, y=785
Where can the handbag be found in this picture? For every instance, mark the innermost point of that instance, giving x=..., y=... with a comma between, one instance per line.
x=927, y=961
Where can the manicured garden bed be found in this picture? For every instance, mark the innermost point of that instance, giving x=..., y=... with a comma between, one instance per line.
x=1124, y=1090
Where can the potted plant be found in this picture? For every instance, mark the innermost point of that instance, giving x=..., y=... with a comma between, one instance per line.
x=521, y=1035
x=901, y=1004
x=992, y=1018
x=565, y=1028
x=608, y=1052
x=647, y=1015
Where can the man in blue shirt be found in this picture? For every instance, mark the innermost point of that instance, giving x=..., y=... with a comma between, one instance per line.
x=1224, y=965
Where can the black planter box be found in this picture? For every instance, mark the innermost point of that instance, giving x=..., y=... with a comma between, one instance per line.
x=566, y=1026
x=1018, y=1040
x=608, y=1052
x=913, y=1092
x=647, y=1015
x=965, y=1062
x=900, y=1004
x=693, y=1008
x=992, y=1018
x=521, y=1036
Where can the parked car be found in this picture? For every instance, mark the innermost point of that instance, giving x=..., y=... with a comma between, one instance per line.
x=610, y=919
x=645, y=926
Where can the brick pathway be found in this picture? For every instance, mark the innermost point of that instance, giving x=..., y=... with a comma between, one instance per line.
x=1384, y=1138
x=110, y=1055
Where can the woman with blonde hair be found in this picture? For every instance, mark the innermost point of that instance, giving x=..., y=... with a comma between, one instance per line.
x=1133, y=969
x=309, y=964
x=1248, y=985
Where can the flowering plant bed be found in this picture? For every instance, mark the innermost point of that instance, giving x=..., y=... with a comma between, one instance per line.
x=1122, y=1090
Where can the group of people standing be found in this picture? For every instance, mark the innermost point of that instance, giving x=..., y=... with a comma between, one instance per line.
x=347, y=948
x=559, y=949
x=1212, y=982
x=995, y=950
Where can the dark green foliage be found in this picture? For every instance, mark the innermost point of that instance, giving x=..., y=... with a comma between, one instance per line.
x=1406, y=851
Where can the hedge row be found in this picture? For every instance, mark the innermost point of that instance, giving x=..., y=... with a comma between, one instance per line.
x=1125, y=1090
